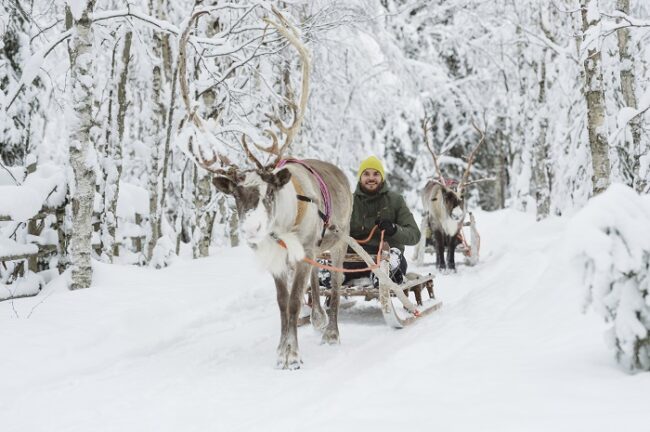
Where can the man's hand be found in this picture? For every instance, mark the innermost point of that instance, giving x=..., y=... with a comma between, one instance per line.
x=387, y=226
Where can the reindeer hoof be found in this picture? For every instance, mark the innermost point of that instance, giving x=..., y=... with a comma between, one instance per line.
x=290, y=361
x=319, y=319
x=331, y=337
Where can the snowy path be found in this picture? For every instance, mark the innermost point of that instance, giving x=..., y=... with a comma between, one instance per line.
x=192, y=348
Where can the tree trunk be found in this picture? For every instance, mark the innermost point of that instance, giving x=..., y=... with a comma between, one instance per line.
x=167, y=148
x=521, y=157
x=540, y=152
x=163, y=116
x=229, y=219
x=117, y=147
x=628, y=88
x=83, y=190
x=204, y=218
x=104, y=185
x=595, y=97
x=155, y=144
x=502, y=163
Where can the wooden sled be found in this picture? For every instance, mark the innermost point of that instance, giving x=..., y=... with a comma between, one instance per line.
x=396, y=307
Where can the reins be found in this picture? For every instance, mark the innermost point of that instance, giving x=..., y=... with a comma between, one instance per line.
x=344, y=270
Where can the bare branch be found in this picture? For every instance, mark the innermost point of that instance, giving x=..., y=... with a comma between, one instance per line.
x=490, y=179
x=34, y=62
x=425, y=130
x=470, y=160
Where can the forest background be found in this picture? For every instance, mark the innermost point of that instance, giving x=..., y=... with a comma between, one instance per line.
x=91, y=104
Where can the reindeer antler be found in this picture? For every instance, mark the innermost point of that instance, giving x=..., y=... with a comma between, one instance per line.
x=425, y=130
x=470, y=160
x=249, y=154
x=193, y=116
x=286, y=29
x=274, y=148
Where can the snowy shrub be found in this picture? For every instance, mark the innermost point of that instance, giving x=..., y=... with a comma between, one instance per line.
x=610, y=240
x=163, y=253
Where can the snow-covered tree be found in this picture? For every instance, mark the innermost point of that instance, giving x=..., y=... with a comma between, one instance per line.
x=82, y=152
x=610, y=241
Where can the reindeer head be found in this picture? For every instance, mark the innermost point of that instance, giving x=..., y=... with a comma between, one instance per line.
x=453, y=201
x=256, y=196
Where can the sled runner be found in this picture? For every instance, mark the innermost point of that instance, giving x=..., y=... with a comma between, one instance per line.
x=396, y=307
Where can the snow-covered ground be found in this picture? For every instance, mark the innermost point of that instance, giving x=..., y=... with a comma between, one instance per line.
x=192, y=348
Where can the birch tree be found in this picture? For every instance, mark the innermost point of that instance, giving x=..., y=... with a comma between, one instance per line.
x=117, y=144
x=81, y=148
x=540, y=149
x=628, y=89
x=595, y=97
x=155, y=135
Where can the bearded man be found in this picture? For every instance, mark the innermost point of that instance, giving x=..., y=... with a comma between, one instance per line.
x=376, y=204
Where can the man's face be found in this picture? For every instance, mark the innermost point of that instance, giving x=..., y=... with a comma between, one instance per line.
x=370, y=180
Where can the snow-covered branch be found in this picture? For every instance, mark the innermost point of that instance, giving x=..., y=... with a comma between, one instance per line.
x=33, y=65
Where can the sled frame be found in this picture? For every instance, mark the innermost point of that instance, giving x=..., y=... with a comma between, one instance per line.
x=389, y=293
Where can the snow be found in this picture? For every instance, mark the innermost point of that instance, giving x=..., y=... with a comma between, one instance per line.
x=610, y=240
x=43, y=188
x=132, y=200
x=10, y=247
x=25, y=286
x=191, y=347
x=593, y=14
x=77, y=7
x=11, y=175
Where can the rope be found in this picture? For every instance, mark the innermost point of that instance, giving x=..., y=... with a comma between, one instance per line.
x=372, y=232
x=468, y=250
x=344, y=270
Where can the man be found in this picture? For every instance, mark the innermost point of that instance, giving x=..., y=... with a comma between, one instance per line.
x=375, y=204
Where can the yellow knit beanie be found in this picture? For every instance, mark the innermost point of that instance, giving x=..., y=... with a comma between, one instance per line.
x=373, y=163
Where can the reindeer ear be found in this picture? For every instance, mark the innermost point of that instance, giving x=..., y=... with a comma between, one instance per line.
x=224, y=184
x=282, y=177
x=276, y=180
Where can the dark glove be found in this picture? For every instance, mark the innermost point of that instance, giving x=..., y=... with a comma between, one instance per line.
x=387, y=226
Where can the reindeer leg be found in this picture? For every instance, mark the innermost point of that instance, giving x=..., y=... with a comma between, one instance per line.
x=318, y=316
x=283, y=299
x=418, y=257
x=331, y=334
x=439, y=240
x=451, y=253
x=289, y=357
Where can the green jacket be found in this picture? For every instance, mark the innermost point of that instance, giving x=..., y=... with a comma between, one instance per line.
x=385, y=204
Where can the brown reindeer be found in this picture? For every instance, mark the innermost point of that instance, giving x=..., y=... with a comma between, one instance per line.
x=289, y=211
x=443, y=202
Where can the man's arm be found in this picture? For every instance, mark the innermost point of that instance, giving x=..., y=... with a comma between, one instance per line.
x=408, y=232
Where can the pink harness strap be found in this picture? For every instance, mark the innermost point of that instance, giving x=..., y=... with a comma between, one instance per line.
x=327, y=199
x=450, y=182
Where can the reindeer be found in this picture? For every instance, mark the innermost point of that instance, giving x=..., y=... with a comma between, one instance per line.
x=288, y=211
x=443, y=202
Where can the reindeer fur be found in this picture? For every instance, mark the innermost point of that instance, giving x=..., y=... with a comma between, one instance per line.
x=444, y=212
x=258, y=193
